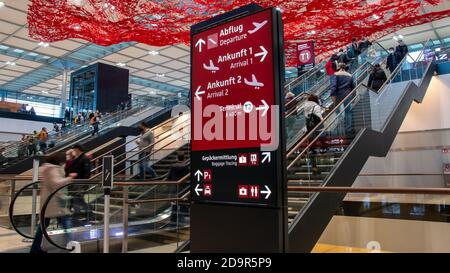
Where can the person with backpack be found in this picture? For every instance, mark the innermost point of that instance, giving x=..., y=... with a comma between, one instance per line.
x=95, y=122
x=313, y=112
x=43, y=137
x=377, y=78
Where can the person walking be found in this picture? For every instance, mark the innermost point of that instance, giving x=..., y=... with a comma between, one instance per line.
x=377, y=78
x=81, y=164
x=391, y=61
x=52, y=179
x=95, y=122
x=400, y=51
x=43, y=137
x=341, y=86
x=145, y=142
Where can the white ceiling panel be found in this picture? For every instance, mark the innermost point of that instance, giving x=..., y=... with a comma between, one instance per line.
x=175, y=64
x=13, y=16
x=177, y=74
x=67, y=45
x=139, y=64
x=23, y=33
x=178, y=83
x=27, y=63
x=8, y=28
x=162, y=79
x=174, y=52
x=52, y=51
x=20, y=68
x=117, y=58
x=3, y=36
x=20, y=43
x=157, y=59
x=149, y=47
x=8, y=72
x=133, y=52
x=5, y=77
x=144, y=74
x=159, y=70
x=4, y=59
x=18, y=4
x=186, y=59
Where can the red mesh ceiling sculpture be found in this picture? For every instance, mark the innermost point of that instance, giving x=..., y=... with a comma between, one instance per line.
x=331, y=23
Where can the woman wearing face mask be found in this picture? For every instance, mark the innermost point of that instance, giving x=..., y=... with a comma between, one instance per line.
x=391, y=60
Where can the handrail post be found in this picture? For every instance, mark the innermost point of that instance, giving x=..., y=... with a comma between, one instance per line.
x=107, y=183
x=125, y=220
x=34, y=195
x=12, y=190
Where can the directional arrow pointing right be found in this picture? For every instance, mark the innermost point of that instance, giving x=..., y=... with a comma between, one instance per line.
x=265, y=107
x=197, y=190
x=263, y=53
x=266, y=157
x=267, y=191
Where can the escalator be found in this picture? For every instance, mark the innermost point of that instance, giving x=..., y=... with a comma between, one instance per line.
x=113, y=126
x=156, y=217
x=333, y=155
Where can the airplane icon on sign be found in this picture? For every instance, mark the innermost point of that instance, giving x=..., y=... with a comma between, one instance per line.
x=254, y=82
x=258, y=26
x=211, y=67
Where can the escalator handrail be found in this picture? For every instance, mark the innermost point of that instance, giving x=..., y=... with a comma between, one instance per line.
x=306, y=93
x=45, y=205
x=349, y=95
x=305, y=138
x=148, y=146
x=84, y=182
x=153, y=128
x=11, y=209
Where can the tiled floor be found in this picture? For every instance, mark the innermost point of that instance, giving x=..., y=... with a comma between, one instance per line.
x=11, y=242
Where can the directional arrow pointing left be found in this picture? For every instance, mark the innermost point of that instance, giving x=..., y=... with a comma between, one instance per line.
x=264, y=107
x=198, y=190
x=267, y=191
x=199, y=44
x=198, y=92
x=263, y=53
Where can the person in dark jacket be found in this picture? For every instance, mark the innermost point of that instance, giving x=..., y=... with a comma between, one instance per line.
x=81, y=165
x=364, y=44
x=400, y=51
x=377, y=78
x=391, y=62
x=341, y=86
x=343, y=58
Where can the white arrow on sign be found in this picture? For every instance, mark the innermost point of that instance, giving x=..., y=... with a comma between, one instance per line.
x=197, y=190
x=266, y=157
x=267, y=191
x=264, y=107
x=199, y=44
x=198, y=92
x=263, y=53
x=198, y=173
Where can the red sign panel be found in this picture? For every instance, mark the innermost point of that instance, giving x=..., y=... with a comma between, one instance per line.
x=305, y=55
x=233, y=84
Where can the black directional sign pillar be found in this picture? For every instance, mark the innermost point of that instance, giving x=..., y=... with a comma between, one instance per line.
x=238, y=182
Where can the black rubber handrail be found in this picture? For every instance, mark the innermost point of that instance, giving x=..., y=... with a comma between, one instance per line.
x=11, y=210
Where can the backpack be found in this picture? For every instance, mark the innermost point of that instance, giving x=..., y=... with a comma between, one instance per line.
x=312, y=120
